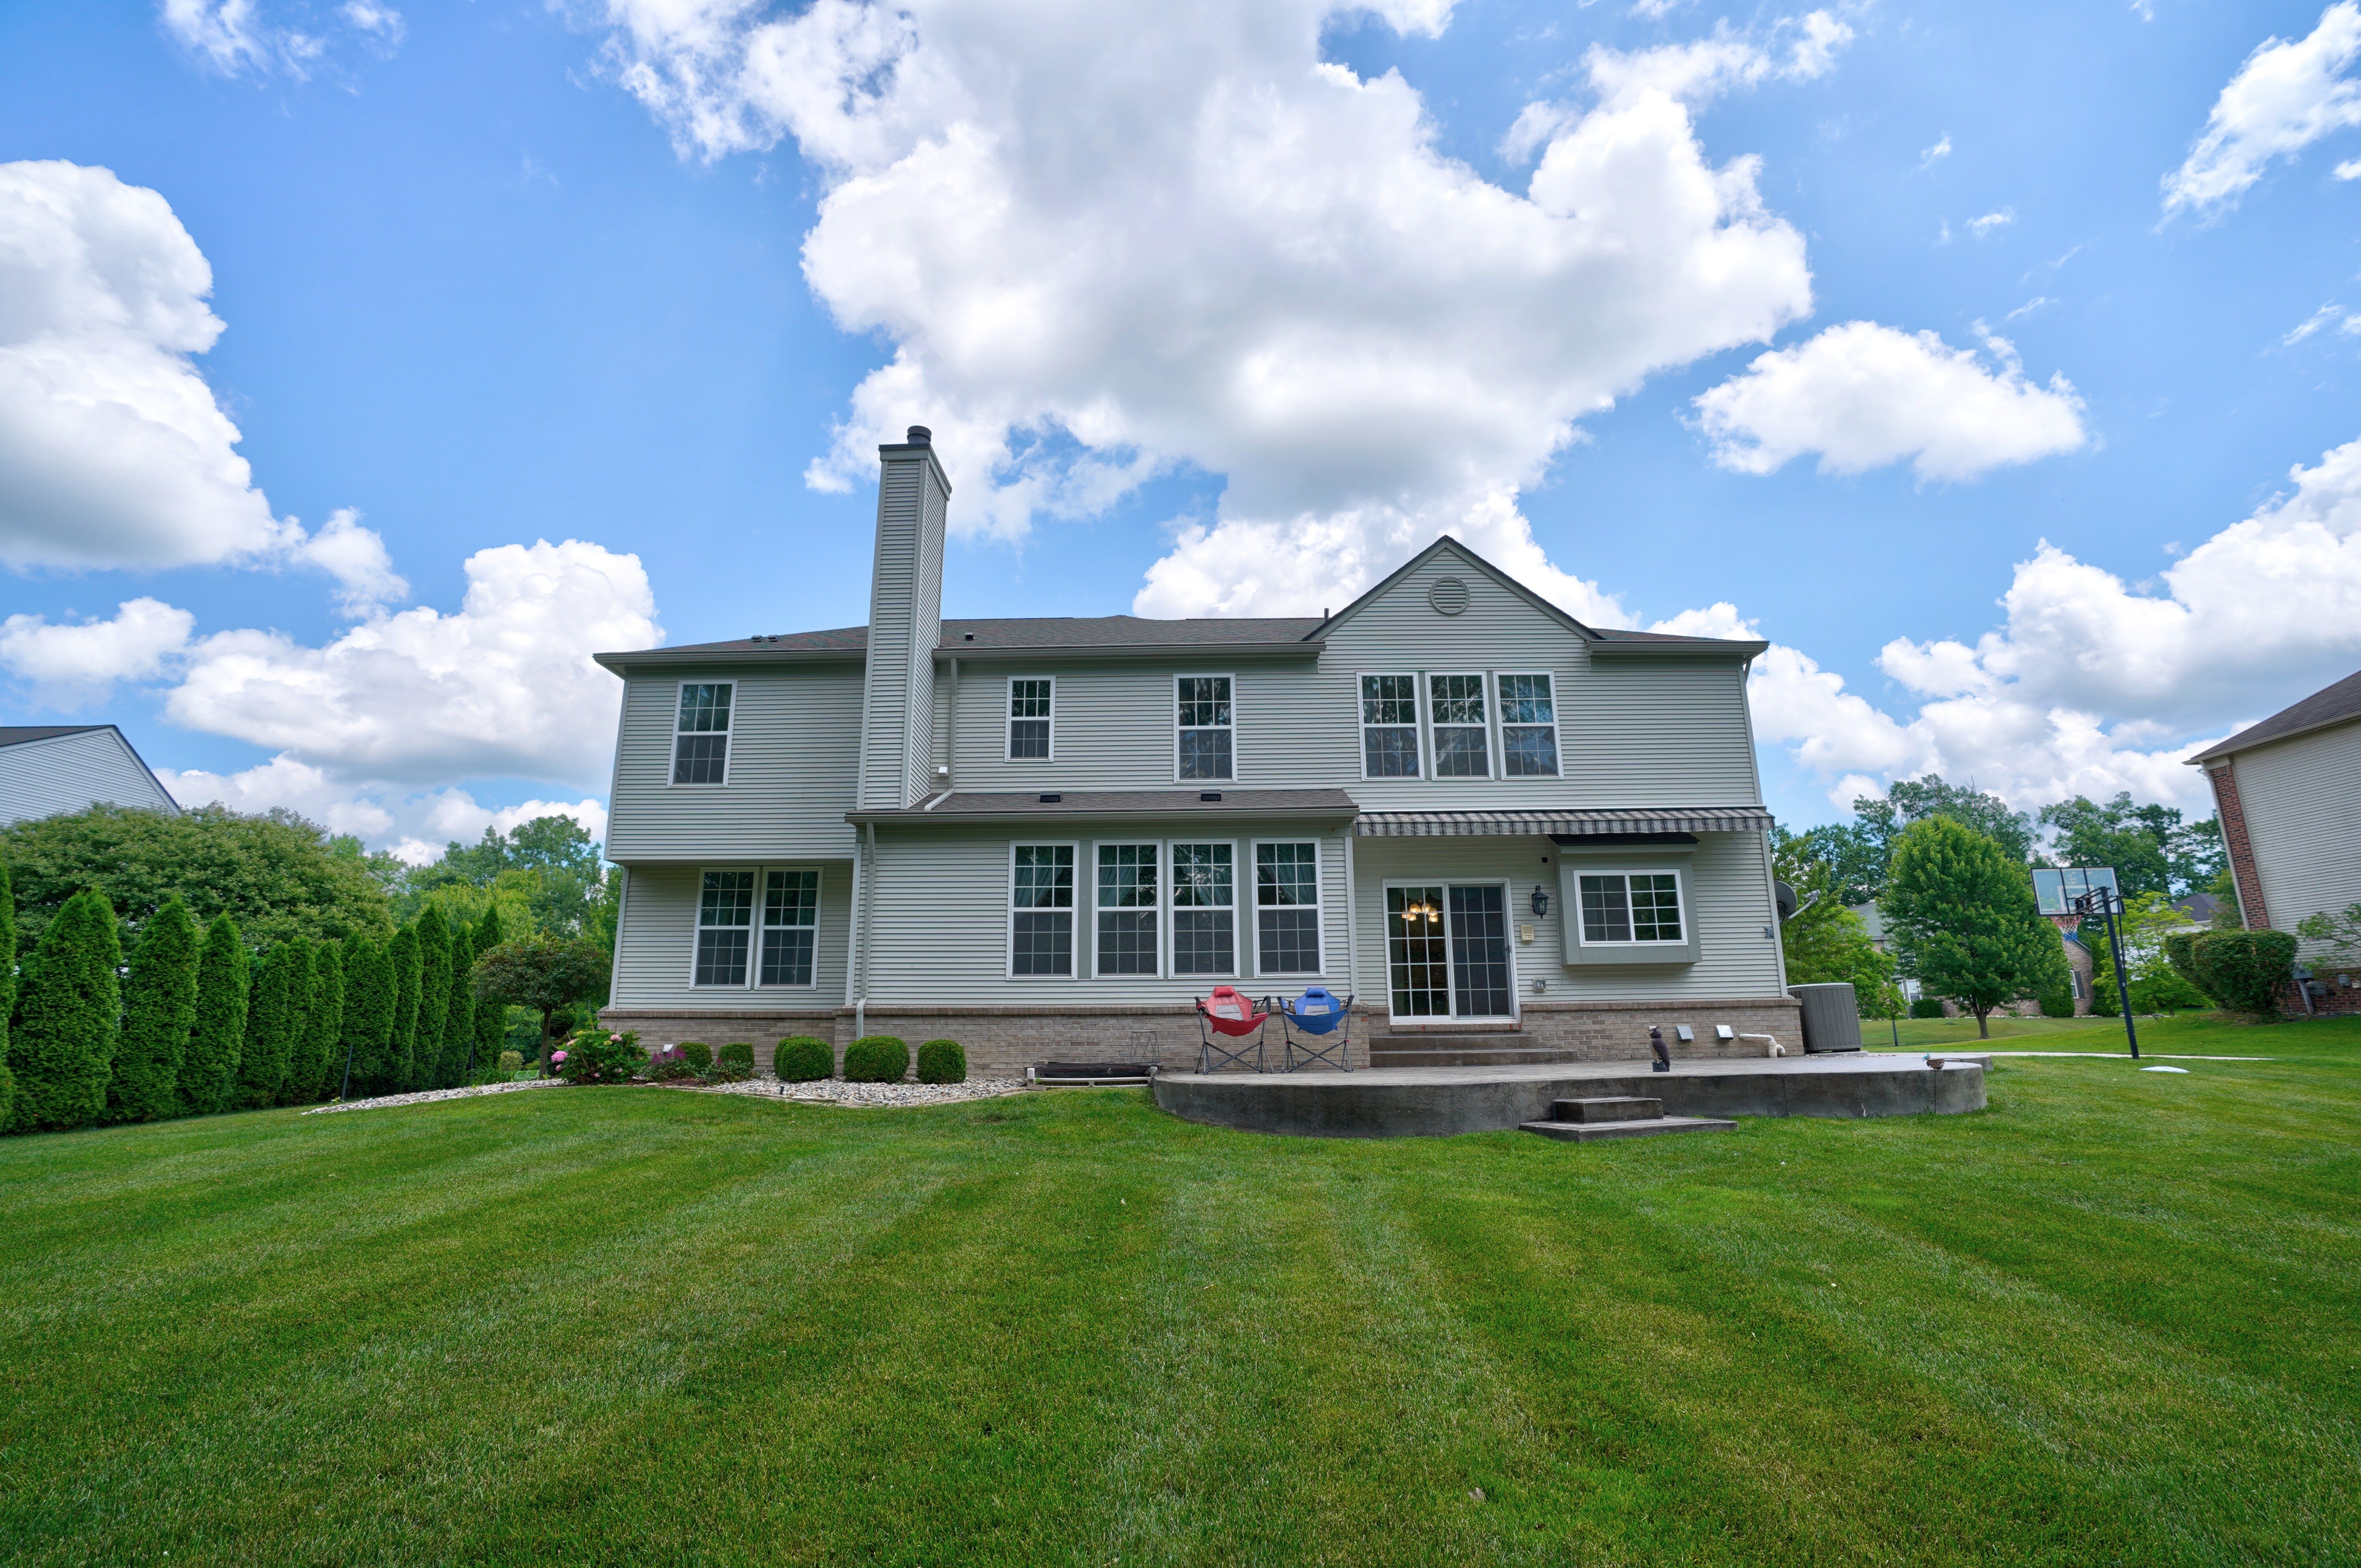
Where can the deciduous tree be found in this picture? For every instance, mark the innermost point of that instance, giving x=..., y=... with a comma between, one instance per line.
x=545, y=973
x=160, y=1005
x=67, y=1018
x=217, y=1036
x=1964, y=921
x=1824, y=941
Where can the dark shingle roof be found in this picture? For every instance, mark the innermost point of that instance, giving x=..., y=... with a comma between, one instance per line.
x=18, y=734
x=1109, y=802
x=2330, y=705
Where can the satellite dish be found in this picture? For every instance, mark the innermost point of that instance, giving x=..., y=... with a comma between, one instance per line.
x=1787, y=904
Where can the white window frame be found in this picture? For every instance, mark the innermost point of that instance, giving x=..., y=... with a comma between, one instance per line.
x=1008, y=721
x=1500, y=706
x=1417, y=726
x=1680, y=897
x=1319, y=907
x=1173, y=909
x=728, y=737
x=1507, y=887
x=1435, y=745
x=1233, y=727
x=753, y=928
x=1163, y=898
x=754, y=980
x=1008, y=905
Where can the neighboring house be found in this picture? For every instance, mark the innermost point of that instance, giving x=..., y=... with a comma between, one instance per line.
x=1042, y=837
x=2198, y=908
x=2289, y=793
x=48, y=768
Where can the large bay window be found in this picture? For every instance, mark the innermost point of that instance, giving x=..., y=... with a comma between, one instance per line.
x=1287, y=909
x=1042, y=910
x=1204, y=910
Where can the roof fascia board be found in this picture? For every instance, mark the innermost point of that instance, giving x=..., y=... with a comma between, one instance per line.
x=1478, y=562
x=1711, y=650
x=673, y=658
x=1053, y=818
x=2232, y=747
x=1162, y=652
x=141, y=763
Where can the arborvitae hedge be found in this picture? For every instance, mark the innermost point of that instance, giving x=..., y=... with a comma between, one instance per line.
x=433, y=996
x=459, y=1023
x=66, y=1019
x=217, y=1038
x=271, y=1025
x=367, y=1016
x=319, y=1069
x=801, y=1058
x=491, y=1016
x=401, y=1044
x=159, y=1003
x=7, y=994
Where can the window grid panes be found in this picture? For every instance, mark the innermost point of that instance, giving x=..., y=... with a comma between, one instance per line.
x=1639, y=906
x=1028, y=719
x=1528, y=727
x=1127, y=903
x=1204, y=910
x=1287, y=909
x=725, y=921
x=1456, y=709
x=1042, y=893
x=1389, y=727
x=700, y=748
x=790, y=925
x=1205, y=727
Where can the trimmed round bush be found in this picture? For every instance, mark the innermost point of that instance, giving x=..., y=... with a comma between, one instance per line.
x=2057, y=1004
x=801, y=1058
x=734, y=1061
x=877, y=1058
x=1926, y=1007
x=512, y=1062
x=943, y=1061
x=698, y=1055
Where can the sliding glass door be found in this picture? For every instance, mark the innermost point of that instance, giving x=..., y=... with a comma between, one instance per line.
x=1447, y=951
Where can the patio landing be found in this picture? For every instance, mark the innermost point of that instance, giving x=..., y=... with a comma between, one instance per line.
x=1394, y=1103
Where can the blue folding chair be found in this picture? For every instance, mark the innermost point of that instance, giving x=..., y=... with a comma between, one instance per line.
x=1317, y=1015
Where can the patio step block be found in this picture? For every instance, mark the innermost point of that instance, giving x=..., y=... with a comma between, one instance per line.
x=1603, y=1108
x=1593, y=1132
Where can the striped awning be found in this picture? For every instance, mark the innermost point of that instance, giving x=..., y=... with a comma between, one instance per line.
x=1475, y=824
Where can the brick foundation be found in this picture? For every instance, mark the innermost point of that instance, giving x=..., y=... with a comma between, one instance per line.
x=1002, y=1042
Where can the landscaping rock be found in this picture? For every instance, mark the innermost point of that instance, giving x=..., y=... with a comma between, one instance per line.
x=831, y=1092
x=426, y=1096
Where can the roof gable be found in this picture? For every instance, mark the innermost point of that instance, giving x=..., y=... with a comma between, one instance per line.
x=2330, y=705
x=1460, y=553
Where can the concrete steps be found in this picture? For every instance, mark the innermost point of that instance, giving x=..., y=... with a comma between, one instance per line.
x=1618, y=1116
x=1455, y=1050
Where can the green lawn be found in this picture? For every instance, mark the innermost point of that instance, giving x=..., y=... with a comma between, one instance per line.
x=2112, y=1320
x=2096, y=1034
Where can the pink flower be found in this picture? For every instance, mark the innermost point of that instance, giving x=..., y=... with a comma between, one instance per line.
x=557, y=1056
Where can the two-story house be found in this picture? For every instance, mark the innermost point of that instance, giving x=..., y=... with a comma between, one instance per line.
x=1449, y=799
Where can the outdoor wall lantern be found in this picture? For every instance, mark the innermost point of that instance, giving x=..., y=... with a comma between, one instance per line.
x=1541, y=900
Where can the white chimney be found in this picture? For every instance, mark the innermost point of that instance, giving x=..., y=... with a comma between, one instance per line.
x=906, y=621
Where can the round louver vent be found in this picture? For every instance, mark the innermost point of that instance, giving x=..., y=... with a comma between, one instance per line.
x=1449, y=595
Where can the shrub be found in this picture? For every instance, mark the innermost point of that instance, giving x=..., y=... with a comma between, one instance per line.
x=159, y=1003
x=801, y=1058
x=2056, y=1005
x=512, y=1062
x=877, y=1058
x=668, y=1066
x=217, y=1034
x=734, y=1062
x=698, y=1055
x=2244, y=970
x=943, y=1061
x=595, y=1056
x=66, y=1012
x=1926, y=1007
x=2177, y=952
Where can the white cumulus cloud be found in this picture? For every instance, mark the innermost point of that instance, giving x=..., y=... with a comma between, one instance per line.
x=2091, y=685
x=1176, y=236
x=2287, y=94
x=113, y=450
x=1862, y=396
x=503, y=687
x=71, y=663
x=415, y=824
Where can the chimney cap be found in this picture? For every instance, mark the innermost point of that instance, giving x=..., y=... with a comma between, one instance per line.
x=921, y=436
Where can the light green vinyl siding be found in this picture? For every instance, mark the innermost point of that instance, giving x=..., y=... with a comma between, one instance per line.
x=794, y=751
x=656, y=946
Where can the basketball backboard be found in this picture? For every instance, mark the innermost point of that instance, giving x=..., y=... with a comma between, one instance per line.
x=2056, y=891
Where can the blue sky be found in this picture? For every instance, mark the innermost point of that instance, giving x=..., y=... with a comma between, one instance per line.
x=1313, y=283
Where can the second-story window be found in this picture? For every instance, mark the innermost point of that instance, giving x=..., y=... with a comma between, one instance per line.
x=1389, y=727
x=1528, y=728
x=1205, y=727
x=700, y=741
x=1029, y=717
x=1456, y=710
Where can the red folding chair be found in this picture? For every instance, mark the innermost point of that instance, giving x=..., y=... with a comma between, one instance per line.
x=1227, y=1014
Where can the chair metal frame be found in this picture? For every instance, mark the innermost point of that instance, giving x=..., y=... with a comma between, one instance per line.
x=1257, y=1018
x=1337, y=1052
